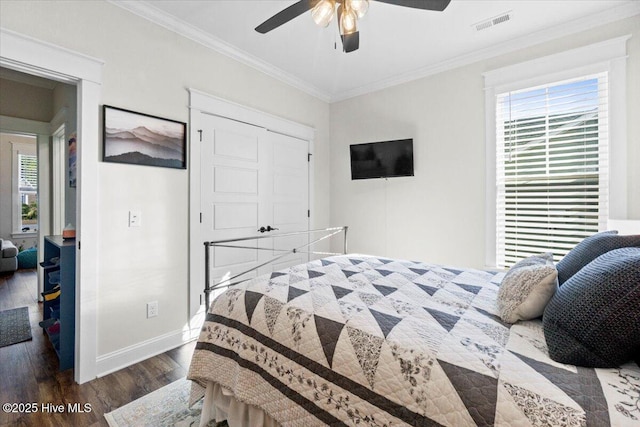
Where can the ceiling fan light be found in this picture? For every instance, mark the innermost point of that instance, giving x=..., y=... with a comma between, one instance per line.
x=322, y=13
x=360, y=7
x=348, y=22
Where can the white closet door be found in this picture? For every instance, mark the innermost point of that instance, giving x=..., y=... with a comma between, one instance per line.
x=251, y=178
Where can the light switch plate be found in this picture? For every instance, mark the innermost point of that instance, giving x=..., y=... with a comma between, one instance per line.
x=135, y=218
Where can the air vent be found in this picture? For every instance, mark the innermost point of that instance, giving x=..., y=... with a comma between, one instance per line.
x=484, y=25
x=491, y=22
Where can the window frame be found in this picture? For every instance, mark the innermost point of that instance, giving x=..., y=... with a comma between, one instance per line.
x=17, y=149
x=58, y=178
x=605, y=57
x=547, y=160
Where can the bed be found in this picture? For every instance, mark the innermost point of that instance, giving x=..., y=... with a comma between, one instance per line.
x=362, y=340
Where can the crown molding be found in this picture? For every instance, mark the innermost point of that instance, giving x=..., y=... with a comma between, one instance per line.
x=615, y=14
x=147, y=11
x=170, y=22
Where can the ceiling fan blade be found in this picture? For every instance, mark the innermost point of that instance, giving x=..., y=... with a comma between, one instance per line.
x=437, y=5
x=286, y=15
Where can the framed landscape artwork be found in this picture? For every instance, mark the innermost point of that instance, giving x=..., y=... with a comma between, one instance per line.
x=142, y=139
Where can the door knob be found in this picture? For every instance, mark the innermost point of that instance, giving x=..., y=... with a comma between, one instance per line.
x=268, y=228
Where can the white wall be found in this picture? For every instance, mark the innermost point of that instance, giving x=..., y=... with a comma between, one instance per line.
x=438, y=215
x=148, y=69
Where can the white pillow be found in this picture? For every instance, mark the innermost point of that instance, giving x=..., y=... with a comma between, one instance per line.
x=527, y=288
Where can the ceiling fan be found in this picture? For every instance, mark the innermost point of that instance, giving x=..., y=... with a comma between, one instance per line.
x=347, y=11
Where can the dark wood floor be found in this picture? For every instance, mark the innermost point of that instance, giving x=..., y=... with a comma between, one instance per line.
x=29, y=371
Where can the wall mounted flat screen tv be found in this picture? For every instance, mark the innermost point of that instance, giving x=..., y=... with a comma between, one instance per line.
x=384, y=159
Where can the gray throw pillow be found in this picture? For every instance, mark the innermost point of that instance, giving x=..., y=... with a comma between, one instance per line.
x=594, y=318
x=527, y=288
x=591, y=248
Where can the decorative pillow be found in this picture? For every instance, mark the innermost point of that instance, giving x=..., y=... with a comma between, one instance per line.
x=591, y=248
x=527, y=288
x=594, y=318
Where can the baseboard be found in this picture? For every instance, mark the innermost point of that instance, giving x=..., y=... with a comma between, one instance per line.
x=128, y=356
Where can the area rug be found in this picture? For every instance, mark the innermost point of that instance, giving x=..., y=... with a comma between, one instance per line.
x=14, y=326
x=167, y=406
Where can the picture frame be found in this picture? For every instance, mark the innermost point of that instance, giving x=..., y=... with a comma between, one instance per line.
x=142, y=139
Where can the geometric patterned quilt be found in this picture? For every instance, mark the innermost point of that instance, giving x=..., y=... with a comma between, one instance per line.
x=359, y=340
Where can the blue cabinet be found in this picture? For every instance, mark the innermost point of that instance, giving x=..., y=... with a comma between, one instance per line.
x=59, y=306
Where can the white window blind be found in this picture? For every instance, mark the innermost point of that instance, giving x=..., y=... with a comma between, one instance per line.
x=28, y=172
x=551, y=167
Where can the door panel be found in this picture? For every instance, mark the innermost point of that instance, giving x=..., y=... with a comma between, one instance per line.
x=236, y=145
x=231, y=257
x=288, y=213
x=288, y=184
x=234, y=215
x=235, y=180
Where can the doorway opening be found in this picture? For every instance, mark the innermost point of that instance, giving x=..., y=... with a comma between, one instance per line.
x=41, y=59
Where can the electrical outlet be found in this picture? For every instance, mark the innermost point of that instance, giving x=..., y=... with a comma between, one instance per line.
x=152, y=309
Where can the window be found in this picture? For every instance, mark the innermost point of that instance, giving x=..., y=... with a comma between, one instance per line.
x=28, y=191
x=25, y=184
x=555, y=151
x=552, y=167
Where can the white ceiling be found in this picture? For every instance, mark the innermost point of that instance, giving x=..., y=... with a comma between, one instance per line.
x=397, y=44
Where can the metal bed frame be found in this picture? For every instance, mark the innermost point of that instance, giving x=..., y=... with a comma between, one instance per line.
x=225, y=283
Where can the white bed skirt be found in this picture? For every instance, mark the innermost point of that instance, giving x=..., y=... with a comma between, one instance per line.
x=220, y=404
